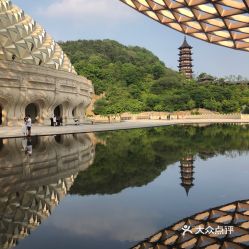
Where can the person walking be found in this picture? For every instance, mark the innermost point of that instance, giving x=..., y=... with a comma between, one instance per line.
x=29, y=124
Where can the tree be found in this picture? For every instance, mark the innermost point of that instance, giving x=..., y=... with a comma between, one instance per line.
x=158, y=71
x=229, y=106
x=212, y=105
x=100, y=106
x=134, y=79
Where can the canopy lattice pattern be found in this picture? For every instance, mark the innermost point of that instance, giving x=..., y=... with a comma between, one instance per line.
x=222, y=22
x=235, y=215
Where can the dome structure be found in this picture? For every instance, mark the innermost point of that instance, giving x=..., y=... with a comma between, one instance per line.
x=25, y=41
x=36, y=76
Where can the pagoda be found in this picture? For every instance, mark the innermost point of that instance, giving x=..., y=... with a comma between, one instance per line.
x=187, y=172
x=185, y=59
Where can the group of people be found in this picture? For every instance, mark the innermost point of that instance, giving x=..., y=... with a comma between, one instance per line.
x=26, y=129
x=56, y=121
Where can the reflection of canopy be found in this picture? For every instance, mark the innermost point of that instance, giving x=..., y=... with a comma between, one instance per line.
x=223, y=22
x=235, y=214
x=32, y=187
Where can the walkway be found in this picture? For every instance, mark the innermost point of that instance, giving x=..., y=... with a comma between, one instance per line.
x=8, y=132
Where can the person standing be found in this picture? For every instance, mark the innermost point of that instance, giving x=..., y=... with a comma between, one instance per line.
x=24, y=128
x=29, y=125
x=54, y=120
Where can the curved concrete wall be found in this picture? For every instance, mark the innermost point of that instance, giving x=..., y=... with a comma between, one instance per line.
x=22, y=84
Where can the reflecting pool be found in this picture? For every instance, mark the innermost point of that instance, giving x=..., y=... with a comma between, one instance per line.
x=115, y=189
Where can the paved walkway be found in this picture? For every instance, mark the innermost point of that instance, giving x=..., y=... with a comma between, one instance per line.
x=8, y=132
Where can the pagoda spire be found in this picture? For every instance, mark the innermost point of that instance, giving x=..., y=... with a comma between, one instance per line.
x=185, y=59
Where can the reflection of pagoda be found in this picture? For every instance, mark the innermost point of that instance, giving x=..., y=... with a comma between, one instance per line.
x=185, y=59
x=187, y=172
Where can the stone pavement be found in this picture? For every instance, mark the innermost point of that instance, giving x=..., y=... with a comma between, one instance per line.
x=8, y=132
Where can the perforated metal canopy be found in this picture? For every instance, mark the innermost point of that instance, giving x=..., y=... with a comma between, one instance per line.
x=222, y=22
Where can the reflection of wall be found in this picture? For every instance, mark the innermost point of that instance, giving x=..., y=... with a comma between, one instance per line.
x=234, y=214
x=32, y=186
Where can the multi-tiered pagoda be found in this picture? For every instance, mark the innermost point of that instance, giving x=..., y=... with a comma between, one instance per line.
x=187, y=172
x=185, y=59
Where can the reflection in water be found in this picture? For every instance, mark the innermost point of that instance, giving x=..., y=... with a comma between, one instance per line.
x=32, y=187
x=140, y=158
x=137, y=157
x=187, y=172
x=225, y=227
x=27, y=145
x=133, y=188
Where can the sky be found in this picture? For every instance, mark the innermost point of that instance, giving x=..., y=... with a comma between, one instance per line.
x=112, y=19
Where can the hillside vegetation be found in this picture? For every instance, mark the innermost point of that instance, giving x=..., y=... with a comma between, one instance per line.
x=133, y=79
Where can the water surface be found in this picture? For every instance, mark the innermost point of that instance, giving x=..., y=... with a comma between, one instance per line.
x=114, y=189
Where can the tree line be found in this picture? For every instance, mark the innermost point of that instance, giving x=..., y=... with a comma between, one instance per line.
x=134, y=80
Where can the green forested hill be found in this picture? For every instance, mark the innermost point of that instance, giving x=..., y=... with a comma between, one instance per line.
x=135, y=80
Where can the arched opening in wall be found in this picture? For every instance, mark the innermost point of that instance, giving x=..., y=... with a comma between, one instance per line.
x=58, y=111
x=1, y=115
x=74, y=112
x=33, y=111
x=35, y=142
x=1, y=144
x=59, y=139
x=75, y=136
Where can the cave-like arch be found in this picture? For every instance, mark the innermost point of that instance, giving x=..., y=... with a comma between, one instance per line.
x=58, y=111
x=33, y=111
x=1, y=115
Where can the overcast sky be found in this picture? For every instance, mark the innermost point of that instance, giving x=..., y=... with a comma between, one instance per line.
x=102, y=19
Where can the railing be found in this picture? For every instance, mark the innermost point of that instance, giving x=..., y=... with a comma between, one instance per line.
x=167, y=116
